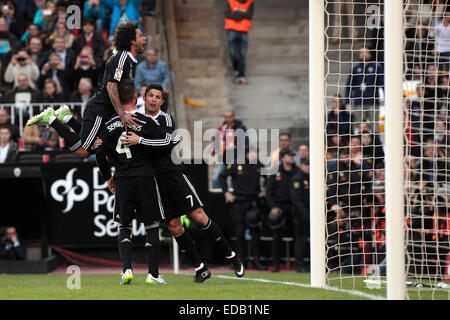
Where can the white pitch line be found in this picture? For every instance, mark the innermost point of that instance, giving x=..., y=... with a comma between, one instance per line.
x=298, y=284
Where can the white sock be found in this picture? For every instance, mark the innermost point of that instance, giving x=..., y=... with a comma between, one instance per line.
x=67, y=118
x=233, y=254
x=51, y=119
x=201, y=266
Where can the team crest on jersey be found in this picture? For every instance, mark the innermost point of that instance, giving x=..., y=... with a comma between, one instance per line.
x=296, y=184
x=118, y=74
x=239, y=168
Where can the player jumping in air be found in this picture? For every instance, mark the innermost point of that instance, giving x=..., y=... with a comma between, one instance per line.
x=129, y=42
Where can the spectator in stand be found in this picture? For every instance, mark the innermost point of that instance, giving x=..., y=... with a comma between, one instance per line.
x=106, y=55
x=123, y=11
x=10, y=246
x=434, y=165
x=356, y=154
x=54, y=69
x=302, y=153
x=51, y=92
x=419, y=47
x=61, y=31
x=14, y=23
x=35, y=51
x=5, y=122
x=95, y=10
x=226, y=140
x=153, y=70
x=285, y=143
x=23, y=88
x=279, y=200
x=82, y=95
x=339, y=117
x=8, y=42
x=140, y=103
x=46, y=17
x=40, y=138
x=68, y=56
x=334, y=145
x=238, y=21
x=22, y=63
x=32, y=31
x=366, y=78
x=24, y=13
x=85, y=67
x=441, y=33
x=346, y=185
x=372, y=149
x=90, y=39
x=9, y=149
x=4, y=86
x=430, y=105
x=22, y=96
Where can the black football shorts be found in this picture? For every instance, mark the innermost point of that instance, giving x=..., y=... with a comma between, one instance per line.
x=179, y=196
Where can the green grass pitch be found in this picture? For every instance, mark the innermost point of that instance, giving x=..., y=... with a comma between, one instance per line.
x=256, y=286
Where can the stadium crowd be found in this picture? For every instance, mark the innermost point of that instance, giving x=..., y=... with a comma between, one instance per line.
x=355, y=156
x=42, y=61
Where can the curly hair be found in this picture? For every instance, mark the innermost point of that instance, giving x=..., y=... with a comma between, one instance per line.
x=123, y=36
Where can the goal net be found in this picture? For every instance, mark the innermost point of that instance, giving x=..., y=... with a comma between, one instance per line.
x=355, y=146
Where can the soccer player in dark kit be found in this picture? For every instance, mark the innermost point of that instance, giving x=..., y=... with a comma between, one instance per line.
x=134, y=184
x=178, y=194
x=128, y=42
x=135, y=162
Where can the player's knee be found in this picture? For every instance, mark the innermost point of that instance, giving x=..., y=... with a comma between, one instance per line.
x=175, y=227
x=199, y=216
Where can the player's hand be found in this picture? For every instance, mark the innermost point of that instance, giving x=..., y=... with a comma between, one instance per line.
x=97, y=143
x=112, y=185
x=129, y=139
x=229, y=197
x=129, y=120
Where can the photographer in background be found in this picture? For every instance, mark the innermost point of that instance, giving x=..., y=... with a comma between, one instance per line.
x=22, y=63
x=10, y=247
x=54, y=69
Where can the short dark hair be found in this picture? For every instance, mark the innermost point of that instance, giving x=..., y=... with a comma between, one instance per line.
x=286, y=134
x=125, y=33
x=126, y=90
x=153, y=86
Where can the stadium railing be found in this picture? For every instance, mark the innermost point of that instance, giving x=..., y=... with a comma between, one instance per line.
x=22, y=111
